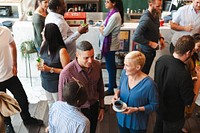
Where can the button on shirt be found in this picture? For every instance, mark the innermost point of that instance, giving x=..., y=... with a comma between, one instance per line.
x=64, y=118
x=92, y=81
x=186, y=16
x=68, y=36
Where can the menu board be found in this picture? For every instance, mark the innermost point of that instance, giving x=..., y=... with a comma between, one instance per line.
x=124, y=40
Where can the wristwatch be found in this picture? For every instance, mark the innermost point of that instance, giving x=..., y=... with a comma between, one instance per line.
x=51, y=70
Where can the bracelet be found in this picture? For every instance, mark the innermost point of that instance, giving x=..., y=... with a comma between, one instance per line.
x=138, y=109
x=161, y=38
x=102, y=107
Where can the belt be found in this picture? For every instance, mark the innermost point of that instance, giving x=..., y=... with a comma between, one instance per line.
x=96, y=104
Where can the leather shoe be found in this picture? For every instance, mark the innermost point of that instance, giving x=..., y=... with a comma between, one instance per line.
x=9, y=128
x=107, y=85
x=33, y=121
x=108, y=93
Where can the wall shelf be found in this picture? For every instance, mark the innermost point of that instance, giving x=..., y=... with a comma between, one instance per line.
x=83, y=5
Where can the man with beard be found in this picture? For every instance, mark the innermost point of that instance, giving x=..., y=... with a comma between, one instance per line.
x=175, y=86
x=147, y=33
x=57, y=10
x=186, y=21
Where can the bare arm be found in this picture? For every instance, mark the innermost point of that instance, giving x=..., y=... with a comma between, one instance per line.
x=178, y=27
x=14, y=57
x=101, y=111
x=162, y=42
x=197, y=82
x=64, y=59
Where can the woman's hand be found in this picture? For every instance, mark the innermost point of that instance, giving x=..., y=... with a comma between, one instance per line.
x=130, y=110
x=42, y=67
x=114, y=98
x=101, y=28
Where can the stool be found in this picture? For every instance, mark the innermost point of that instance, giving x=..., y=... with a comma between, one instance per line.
x=27, y=48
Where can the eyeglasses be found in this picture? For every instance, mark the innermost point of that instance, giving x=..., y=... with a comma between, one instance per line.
x=79, y=84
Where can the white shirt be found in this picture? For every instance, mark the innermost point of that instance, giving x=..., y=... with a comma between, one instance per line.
x=5, y=54
x=186, y=16
x=64, y=118
x=68, y=36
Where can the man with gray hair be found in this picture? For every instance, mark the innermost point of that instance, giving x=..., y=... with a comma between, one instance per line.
x=88, y=72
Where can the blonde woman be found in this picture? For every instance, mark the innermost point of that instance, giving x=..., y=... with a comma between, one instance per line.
x=138, y=91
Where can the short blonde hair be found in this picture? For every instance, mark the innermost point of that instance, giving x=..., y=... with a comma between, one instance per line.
x=136, y=57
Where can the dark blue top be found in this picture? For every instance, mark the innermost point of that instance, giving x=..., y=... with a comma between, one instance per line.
x=143, y=94
x=50, y=80
x=147, y=30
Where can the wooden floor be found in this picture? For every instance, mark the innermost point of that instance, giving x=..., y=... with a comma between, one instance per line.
x=39, y=110
x=108, y=125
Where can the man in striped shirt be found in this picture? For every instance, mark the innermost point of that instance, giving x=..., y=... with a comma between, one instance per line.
x=65, y=116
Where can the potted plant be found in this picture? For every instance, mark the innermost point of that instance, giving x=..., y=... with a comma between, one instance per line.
x=27, y=47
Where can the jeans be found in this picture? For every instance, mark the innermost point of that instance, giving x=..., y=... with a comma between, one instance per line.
x=92, y=114
x=162, y=126
x=15, y=87
x=149, y=60
x=127, y=130
x=111, y=68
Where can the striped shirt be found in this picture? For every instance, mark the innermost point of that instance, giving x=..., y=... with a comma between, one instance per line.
x=64, y=118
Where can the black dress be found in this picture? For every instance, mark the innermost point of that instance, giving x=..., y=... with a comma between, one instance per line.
x=50, y=80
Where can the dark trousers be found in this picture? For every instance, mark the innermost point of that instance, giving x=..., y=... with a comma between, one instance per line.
x=149, y=60
x=111, y=68
x=92, y=114
x=171, y=48
x=127, y=130
x=162, y=126
x=15, y=87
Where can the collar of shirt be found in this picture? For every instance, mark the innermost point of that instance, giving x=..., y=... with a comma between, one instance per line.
x=56, y=15
x=79, y=68
x=70, y=106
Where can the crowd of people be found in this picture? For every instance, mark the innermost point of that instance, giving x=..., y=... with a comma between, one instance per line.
x=73, y=81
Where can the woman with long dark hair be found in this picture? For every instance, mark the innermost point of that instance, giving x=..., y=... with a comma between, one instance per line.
x=109, y=39
x=54, y=53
